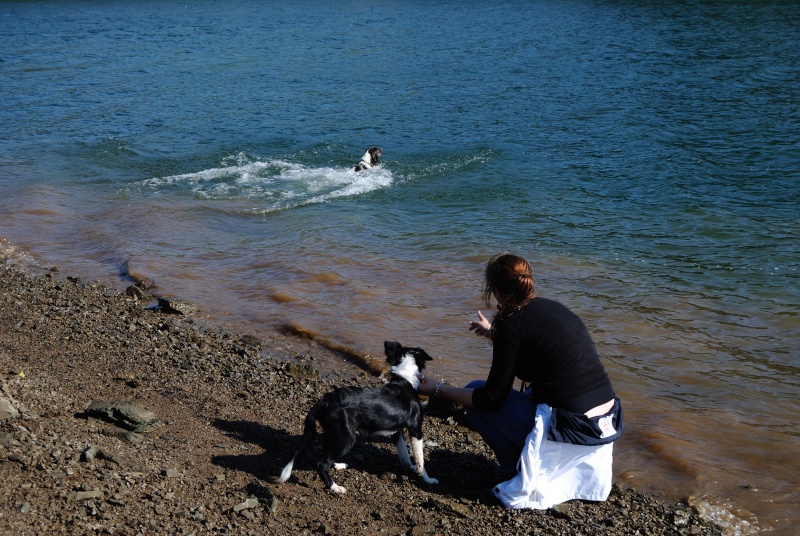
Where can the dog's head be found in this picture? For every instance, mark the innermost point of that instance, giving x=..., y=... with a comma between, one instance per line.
x=372, y=155
x=395, y=352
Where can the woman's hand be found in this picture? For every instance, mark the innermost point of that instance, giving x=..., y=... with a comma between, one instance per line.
x=426, y=385
x=481, y=326
x=437, y=388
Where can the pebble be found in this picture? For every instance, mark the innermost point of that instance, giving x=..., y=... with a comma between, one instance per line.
x=85, y=495
x=247, y=504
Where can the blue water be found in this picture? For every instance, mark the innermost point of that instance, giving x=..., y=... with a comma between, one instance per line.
x=644, y=155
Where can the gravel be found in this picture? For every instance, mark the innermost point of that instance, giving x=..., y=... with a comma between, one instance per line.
x=119, y=418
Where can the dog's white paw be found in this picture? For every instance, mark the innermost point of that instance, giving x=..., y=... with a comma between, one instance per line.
x=429, y=480
x=339, y=466
x=336, y=488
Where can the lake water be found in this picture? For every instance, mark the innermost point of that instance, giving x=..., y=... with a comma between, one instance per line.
x=644, y=155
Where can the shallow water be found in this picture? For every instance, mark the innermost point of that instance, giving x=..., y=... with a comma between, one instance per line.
x=643, y=156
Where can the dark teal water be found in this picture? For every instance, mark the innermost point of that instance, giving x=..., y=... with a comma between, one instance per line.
x=644, y=155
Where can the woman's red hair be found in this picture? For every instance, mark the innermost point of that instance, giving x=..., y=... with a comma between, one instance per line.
x=511, y=278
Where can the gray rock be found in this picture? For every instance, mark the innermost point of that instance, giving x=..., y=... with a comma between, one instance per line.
x=302, y=371
x=92, y=453
x=89, y=454
x=7, y=440
x=130, y=415
x=562, y=511
x=85, y=495
x=135, y=292
x=246, y=505
x=274, y=504
x=7, y=410
x=452, y=507
x=116, y=499
x=423, y=530
x=175, y=306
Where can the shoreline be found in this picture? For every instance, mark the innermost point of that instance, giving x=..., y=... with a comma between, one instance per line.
x=229, y=410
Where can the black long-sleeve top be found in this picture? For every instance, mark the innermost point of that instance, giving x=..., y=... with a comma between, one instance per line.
x=547, y=345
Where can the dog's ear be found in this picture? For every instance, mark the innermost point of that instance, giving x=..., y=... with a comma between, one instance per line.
x=420, y=356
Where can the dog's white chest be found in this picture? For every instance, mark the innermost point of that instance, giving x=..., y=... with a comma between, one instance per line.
x=407, y=369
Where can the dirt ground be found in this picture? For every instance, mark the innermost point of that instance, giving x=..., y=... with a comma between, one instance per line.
x=226, y=412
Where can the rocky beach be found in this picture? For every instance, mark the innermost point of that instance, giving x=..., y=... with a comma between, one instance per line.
x=124, y=414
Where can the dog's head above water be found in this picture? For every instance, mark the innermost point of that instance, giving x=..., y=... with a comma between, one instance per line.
x=395, y=352
x=373, y=154
x=370, y=159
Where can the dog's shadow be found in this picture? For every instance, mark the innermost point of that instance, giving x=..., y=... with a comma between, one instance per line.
x=460, y=474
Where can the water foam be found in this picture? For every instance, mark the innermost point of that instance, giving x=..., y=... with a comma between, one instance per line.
x=723, y=516
x=16, y=256
x=273, y=184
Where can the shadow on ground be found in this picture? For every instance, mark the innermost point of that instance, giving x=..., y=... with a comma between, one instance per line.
x=461, y=475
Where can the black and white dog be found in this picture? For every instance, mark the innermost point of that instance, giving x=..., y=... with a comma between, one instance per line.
x=385, y=410
x=370, y=159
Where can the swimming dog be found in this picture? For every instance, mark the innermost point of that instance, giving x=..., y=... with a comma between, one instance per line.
x=385, y=410
x=370, y=159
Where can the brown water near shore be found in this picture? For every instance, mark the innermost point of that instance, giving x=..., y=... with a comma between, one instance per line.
x=717, y=431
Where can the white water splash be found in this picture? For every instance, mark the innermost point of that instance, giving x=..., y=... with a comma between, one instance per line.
x=273, y=185
x=724, y=517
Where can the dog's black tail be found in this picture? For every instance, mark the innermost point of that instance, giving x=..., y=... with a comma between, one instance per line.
x=309, y=432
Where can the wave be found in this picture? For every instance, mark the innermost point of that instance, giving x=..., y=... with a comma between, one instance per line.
x=271, y=185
